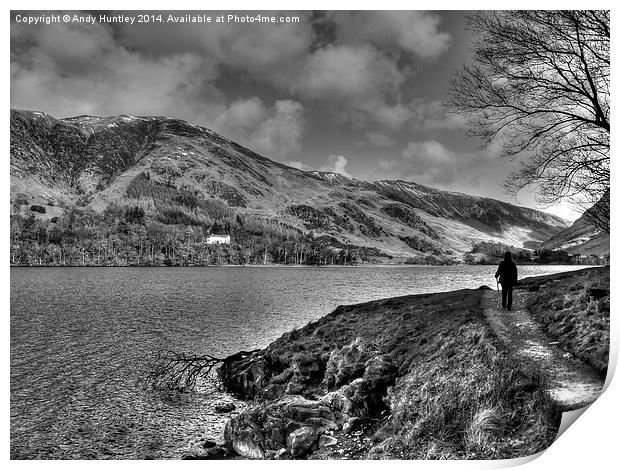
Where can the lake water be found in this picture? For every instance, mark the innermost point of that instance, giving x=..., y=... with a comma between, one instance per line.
x=81, y=339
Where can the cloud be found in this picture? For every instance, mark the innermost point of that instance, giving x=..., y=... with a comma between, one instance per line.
x=346, y=72
x=272, y=131
x=430, y=162
x=379, y=140
x=333, y=164
x=432, y=115
x=360, y=82
x=265, y=50
x=299, y=165
x=68, y=69
x=416, y=32
x=260, y=84
x=336, y=164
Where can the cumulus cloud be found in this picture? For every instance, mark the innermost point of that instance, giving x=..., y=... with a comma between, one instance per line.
x=361, y=82
x=430, y=162
x=68, y=69
x=417, y=32
x=345, y=72
x=432, y=115
x=194, y=71
x=333, y=164
x=266, y=50
x=273, y=131
x=336, y=164
x=299, y=165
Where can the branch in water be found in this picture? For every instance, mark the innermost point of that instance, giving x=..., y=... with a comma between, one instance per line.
x=179, y=371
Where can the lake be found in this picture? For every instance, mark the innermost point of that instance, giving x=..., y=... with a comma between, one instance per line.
x=81, y=339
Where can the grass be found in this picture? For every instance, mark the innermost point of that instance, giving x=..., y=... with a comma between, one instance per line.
x=467, y=400
x=457, y=394
x=574, y=310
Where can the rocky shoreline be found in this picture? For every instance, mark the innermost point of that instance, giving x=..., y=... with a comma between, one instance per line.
x=419, y=376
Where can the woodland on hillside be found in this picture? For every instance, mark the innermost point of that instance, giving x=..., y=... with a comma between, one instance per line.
x=158, y=224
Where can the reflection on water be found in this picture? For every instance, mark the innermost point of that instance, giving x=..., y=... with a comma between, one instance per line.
x=81, y=339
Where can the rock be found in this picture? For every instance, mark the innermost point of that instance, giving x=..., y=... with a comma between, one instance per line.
x=352, y=425
x=224, y=406
x=282, y=454
x=380, y=373
x=282, y=377
x=37, y=208
x=243, y=374
x=244, y=436
x=302, y=441
x=209, y=442
x=214, y=453
x=327, y=441
x=484, y=287
x=267, y=426
x=597, y=294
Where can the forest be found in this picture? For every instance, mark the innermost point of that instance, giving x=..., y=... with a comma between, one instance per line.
x=158, y=224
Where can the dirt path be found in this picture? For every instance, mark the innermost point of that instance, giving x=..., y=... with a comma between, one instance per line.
x=572, y=384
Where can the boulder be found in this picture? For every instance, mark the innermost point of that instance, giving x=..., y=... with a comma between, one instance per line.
x=268, y=426
x=302, y=441
x=243, y=374
x=224, y=406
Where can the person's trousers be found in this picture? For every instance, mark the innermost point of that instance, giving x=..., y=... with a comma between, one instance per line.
x=507, y=296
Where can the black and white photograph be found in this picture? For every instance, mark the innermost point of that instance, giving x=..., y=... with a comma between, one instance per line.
x=306, y=234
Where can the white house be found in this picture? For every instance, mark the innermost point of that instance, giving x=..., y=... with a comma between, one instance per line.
x=218, y=239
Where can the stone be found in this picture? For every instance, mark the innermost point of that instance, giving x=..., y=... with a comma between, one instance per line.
x=214, y=453
x=352, y=425
x=484, y=287
x=243, y=374
x=209, y=442
x=224, y=406
x=327, y=441
x=302, y=441
x=282, y=454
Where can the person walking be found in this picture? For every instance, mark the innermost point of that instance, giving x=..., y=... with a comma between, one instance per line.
x=506, y=275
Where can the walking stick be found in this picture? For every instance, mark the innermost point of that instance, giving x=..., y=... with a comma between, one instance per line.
x=499, y=294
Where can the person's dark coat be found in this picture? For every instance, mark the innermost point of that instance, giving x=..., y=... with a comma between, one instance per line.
x=507, y=271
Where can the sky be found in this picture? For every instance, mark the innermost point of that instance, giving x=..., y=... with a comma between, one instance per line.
x=359, y=93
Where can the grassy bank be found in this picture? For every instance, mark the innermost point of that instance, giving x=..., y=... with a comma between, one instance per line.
x=574, y=310
x=445, y=388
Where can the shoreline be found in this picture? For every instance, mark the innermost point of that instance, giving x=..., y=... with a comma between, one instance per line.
x=347, y=384
x=365, y=265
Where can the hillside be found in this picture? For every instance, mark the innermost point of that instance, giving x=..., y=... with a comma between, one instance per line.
x=582, y=237
x=156, y=179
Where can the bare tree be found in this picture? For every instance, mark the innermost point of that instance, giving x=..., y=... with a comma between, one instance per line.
x=174, y=371
x=598, y=213
x=539, y=87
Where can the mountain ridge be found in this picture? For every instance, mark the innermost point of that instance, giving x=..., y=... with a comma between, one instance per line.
x=91, y=162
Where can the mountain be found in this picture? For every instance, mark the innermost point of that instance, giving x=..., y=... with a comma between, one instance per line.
x=583, y=237
x=167, y=173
